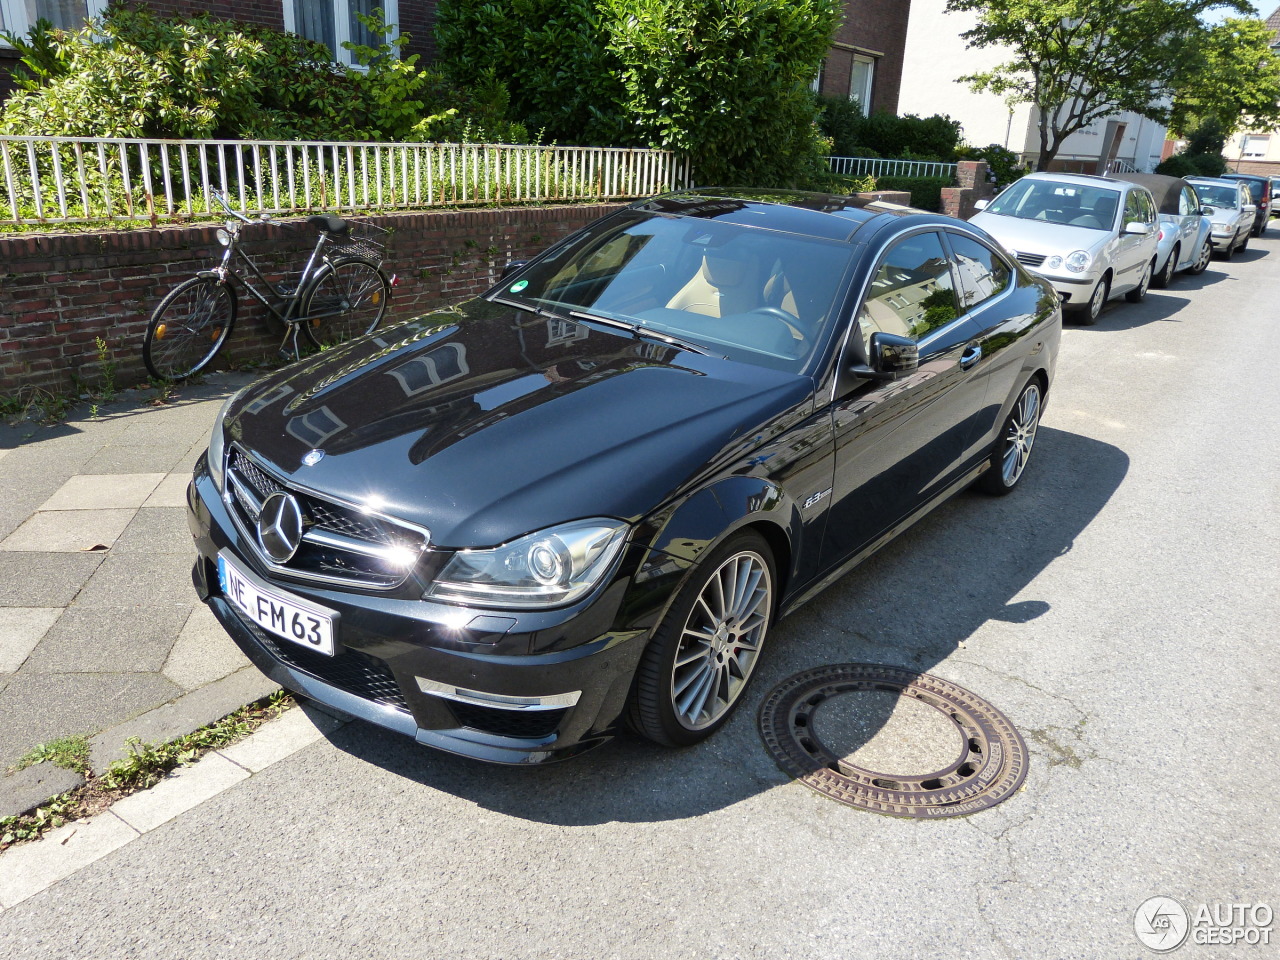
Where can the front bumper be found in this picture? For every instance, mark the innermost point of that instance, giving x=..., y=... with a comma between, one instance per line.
x=508, y=687
x=1069, y=289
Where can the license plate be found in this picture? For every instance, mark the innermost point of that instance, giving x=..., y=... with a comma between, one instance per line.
x=286, y=617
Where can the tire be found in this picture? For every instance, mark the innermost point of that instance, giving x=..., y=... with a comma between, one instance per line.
x=188, y=328
x=1012, y=451
x=1244, y=244
x=1139, y=293
x=1165, y=276
x=357, y=289
x=686, y=688
x=1088, y=315
x=1202, y=261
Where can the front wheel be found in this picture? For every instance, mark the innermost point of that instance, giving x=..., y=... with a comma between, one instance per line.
x=188, y=328
x=349, y=299
x=1013, y=450
x=1097, y=300
x=702, y=655
x=1165, y=276
x=1202, y=261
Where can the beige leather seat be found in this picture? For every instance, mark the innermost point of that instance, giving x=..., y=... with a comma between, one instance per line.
x=721, y=287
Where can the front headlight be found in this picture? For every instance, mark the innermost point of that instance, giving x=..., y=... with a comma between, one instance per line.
x=217, y=440
x=545, y=569
x=1053, y=263
x=224, y=236
x=1078, y=262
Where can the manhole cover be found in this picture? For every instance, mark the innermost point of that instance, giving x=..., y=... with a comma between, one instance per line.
x=961, y=756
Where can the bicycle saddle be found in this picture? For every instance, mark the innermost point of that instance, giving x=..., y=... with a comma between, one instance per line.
x=329, y=224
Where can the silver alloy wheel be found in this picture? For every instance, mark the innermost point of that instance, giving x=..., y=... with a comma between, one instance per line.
x=1170, y=266
x=1206, y=254
x=1098, y=299
x=1145, y=283
x=1021, y=434
x=721, y=640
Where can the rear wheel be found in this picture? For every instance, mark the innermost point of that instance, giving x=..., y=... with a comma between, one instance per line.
x=1013, y=450
x=703, y=654
x=348, y=300
x=1165, y=276
x=188, y=328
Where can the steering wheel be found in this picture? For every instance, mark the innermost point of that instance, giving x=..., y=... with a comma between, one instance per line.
x=784, y=318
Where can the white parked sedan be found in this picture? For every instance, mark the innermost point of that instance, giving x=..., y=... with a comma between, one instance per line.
x=1091, y=237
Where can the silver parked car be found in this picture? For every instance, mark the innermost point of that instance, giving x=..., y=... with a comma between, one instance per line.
x=1091, y=237
x=1230, y=207
x=1183, y=242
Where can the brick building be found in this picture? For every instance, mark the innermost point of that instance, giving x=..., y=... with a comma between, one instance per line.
x=865, y=61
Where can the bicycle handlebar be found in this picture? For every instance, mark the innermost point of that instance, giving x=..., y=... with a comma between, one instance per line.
x=222, y=202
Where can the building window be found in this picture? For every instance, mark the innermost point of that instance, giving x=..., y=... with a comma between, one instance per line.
x=335, y=22
x=1255, y=147
x=816, y=86
x=19, y=16
x=861, y=78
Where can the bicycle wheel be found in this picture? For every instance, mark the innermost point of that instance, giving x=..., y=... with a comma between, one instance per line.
x=188, y=328
x=348, y=299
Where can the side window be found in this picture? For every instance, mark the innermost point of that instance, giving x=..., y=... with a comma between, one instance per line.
x=981, y=271
x=1133, y=209
x=912, y=293
x=1188, y=206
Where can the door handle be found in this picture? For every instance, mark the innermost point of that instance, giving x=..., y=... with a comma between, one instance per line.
x=972, y=354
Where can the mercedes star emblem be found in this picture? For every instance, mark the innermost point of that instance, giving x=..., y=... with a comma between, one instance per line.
x=280, y=526
x=312, y=457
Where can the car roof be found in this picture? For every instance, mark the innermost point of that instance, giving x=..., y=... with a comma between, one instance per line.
x=826, y=216
x=1244, y=176
x=1083, y=179
x=1165, y=189
x=1222, y=181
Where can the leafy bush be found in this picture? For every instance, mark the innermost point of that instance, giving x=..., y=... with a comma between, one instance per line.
x=926, y=192
x=723, y=81
x=1179, y=165
x=1004, y=163
x=886, y=135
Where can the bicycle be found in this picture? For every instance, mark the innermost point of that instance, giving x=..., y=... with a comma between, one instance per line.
x=342, y=292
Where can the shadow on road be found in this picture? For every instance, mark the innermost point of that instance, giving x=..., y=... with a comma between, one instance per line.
x=909, y=606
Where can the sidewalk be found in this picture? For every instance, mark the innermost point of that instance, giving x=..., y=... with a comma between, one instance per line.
x=100, y=630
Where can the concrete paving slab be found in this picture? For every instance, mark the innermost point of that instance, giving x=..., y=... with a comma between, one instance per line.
x=20, y=630
x=203, y=652
x=281, y=738
x=26, y=870
x=36, y=708
x=89, y=491
x=136, y=457
x=44, y=579
x=32, y=786
x=180, y=791
x=3, y=453
x=69, y=531
x=195, y=709
x=156, y=530
x=110, y=638
x=139, y=579
x=21, y=496
x=171, y=491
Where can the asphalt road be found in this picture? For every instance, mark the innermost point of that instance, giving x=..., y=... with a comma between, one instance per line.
x=1122, y=609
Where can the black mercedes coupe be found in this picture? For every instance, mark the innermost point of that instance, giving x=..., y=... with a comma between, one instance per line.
x=509, y=527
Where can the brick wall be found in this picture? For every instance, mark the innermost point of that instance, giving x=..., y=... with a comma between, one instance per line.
x=870, y=25
x=58, y=293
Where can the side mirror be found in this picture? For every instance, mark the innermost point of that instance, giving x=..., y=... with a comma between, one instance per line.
x=981, y=204
x=892, y=358
x=1206, y=210
x=1250, y=208
x=1137, y=227
x=511, y=267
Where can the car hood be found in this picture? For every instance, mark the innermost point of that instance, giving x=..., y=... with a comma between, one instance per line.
x=1040, y=236
x=1225, y=216
x=482, y=422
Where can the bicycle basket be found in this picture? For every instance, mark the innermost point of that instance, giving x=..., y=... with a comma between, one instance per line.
x=364, y=239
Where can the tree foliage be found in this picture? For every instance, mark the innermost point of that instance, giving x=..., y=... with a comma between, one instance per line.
x=1231, y=78
x=1077, y=61
x=723, y=81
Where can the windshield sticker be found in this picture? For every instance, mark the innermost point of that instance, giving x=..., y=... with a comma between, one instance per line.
x=519, y=285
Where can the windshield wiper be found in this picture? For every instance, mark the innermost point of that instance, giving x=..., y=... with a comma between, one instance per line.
x=642, y=331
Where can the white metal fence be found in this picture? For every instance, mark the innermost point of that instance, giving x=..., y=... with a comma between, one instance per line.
x=877, y=167
x=67, y=180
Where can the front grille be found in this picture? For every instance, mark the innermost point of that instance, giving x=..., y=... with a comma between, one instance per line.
x=524, y=724
x=1031, y=259
x=354, y=671
x=340, y=544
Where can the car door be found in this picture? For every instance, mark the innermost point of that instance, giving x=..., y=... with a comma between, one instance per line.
x=1131, y=251
x=1189, y=226
x=899, y=443
x=1245, y=224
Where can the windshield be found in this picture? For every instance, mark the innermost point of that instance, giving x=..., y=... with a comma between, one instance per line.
x=1073, y=204
x=747, y=293
x=1217, y=194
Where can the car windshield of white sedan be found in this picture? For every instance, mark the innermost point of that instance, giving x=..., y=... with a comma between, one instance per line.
x=750, y=294
x=1217, y=195
x=1073, y=204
